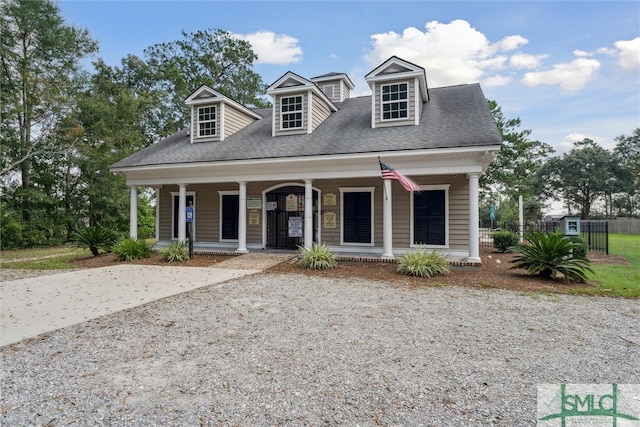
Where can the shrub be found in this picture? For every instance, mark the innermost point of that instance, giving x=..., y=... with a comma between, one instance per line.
x=548, y=254
x=176, y=252
x=504, y=239
x=94, y=238
x=10, y=234
x=581, y=249
x=422, y=263
x=129, y=249
x=317, y=257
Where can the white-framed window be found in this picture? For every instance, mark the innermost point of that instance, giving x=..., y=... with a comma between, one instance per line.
x=291, y=112
x=206, y=121
x=395, y=101
x=229, y=215
x=430, y=216
x=356, y=216
x=175, y=205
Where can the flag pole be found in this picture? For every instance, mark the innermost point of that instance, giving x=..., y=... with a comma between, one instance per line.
x=384, y=189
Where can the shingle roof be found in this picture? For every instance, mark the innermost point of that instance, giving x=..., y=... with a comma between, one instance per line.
x=455, y=116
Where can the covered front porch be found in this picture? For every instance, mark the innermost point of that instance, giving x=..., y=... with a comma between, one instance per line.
x=239, y=215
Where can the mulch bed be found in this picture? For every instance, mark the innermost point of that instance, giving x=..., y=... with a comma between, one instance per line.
x=494, y=273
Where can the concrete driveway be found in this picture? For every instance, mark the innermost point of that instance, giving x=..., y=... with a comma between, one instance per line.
x=30, y=307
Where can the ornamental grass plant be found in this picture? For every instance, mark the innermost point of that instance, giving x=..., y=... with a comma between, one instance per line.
x=317, y=257
x=176, y=252
x=423, y=263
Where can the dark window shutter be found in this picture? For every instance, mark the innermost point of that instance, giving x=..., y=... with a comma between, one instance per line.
x=230, y=211
x=357, y=217
x=429, y=217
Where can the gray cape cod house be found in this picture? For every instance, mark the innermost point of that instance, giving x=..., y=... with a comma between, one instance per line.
x=307, y=170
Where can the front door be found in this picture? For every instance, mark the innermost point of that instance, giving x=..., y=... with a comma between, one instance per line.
x=285, y=217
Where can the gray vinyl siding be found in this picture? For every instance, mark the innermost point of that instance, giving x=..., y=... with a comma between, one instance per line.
x=254, y=232
x=459, y=212
x=165, y=212
x=194, y=124
x=320, y=112
x=340, y=90
x=412, y=104
x=234, y=120
x=206, y=213
x=305, y=115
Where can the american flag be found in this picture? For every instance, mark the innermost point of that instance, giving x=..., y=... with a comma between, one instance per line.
x=390, y=173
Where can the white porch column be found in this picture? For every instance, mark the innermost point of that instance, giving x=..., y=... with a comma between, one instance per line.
x=242, y=218
x=182, y=213
x=387, y=221
x=474, y=218
x=133, y=213
x=308, y=213
x=157, y=214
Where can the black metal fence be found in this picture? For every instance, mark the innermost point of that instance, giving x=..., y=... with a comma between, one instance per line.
x=594, y=233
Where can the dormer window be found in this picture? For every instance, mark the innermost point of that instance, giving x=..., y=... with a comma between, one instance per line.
x=206, y=121
x=395, y=101
x=291, y=112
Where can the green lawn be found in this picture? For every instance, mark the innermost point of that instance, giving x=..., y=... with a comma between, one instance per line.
x=617, y=280
x=35, y=253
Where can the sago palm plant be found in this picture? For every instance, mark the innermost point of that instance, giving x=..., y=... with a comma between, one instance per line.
x=548, y=254
x=94, y=238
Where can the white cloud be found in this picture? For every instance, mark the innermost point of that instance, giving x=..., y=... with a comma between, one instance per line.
x=273, y=48
x=629, y=53
x=496, y=80
x=524, y=60
x=600, y=51
x=571, y=77
x=511, y=42
x=567, y=142
x=451, y=53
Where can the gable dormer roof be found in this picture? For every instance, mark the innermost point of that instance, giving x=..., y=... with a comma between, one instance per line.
x=215, y=117
x=291, y=82
x=396, y=68
x=205, y=95
x=334, y=76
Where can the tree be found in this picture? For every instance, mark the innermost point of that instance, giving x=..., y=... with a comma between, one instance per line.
x=39, y=57
x=112, y=118
x=211, y=57
x=580, y=176
x=626, y=156
x=512, y=172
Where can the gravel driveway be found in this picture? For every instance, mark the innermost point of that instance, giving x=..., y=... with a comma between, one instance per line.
x=293, y=350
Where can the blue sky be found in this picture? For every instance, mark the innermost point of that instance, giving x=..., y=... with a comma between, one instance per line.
x=567, y=69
